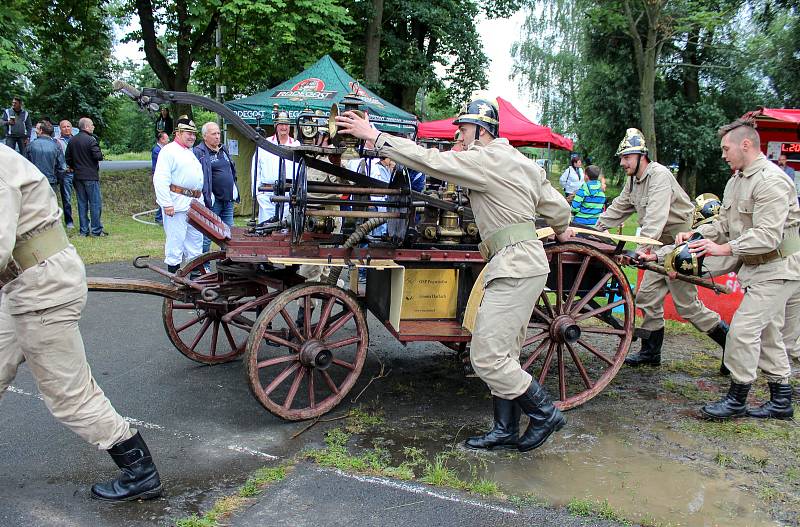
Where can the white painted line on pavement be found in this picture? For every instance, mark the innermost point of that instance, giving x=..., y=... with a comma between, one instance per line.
x=250, y=451
x=417, y=489
x=18, y=391
x=152, y=426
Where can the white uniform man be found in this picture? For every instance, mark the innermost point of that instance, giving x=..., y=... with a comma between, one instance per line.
x=269, y=166
x=178, y=180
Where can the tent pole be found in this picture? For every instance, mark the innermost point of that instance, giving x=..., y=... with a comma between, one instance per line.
x=548, y=160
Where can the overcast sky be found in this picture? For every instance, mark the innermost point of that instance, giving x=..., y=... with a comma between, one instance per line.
x=498, y=36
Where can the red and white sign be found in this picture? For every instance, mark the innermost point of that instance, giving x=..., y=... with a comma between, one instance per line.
x=310, y=88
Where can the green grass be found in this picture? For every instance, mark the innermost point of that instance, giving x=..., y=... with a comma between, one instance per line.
x=689, y=390
x=738, y=430
x=723, y=460
x=359, y=420
x=375, y=461
x=588, y=507
x=128, y=156
x=226, y=506
x=697, y=365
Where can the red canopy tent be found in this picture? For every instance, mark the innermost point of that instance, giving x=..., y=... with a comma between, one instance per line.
x=518, y=129
x=779, y=129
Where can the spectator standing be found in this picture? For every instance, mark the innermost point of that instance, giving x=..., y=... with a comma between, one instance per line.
x=271, y=166
x=17, y=123
x=46, y=154
x=783, y=162
x=572, y=178
x=178, y=179
x=162, y=139
x=164, y=122
x=83, y=155
x=220, y=192
x=65, y=175
x=589, y=200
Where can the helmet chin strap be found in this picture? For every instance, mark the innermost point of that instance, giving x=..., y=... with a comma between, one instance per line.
x=635, y=172
x=477, y=132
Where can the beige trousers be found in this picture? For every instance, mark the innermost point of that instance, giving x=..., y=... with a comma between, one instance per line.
x=756, y=338
x=650, y=299
x=50, y=342
x=500, y=328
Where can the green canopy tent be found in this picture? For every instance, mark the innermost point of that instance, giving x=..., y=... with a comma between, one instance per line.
x=316, y=88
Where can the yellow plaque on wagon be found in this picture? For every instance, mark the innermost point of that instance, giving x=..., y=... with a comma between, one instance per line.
x=430, y=293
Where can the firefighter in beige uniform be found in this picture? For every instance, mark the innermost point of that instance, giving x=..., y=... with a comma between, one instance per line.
x=664, y=210
x=43, y=293
x=506, y=191
x=758, y=223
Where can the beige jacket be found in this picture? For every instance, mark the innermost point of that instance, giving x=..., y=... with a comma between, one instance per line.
x=759, y=208
x=505, y=188
x=663, y=207
x=29, y=206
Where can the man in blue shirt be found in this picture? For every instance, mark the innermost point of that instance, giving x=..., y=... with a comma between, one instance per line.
x=161, y=140
x=45, y=153
x=783, y=162
x=220, y=192
x=65, y=176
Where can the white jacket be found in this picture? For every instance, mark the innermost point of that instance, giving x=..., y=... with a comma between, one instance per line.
x=176, y=165
x=267, y=173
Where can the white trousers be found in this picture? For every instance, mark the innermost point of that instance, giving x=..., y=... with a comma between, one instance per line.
x=183, y=240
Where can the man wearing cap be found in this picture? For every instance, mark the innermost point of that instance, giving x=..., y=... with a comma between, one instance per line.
x=42, y=294
x=507, y=190
x=269, y=167
x=178, y=179
x=664, y=209
x=757, y=223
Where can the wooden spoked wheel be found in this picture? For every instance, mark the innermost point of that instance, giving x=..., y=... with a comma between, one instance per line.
x=322, y=339
x=582, y=324
x=198, y=329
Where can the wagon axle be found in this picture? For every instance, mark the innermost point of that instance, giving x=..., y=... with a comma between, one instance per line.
x=565, y=329
x=314, y=354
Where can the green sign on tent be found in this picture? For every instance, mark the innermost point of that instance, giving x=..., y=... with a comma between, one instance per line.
x=317, y=88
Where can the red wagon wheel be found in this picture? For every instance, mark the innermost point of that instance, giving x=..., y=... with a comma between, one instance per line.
x=581, y=326
x=318, y=363
x=197, y=328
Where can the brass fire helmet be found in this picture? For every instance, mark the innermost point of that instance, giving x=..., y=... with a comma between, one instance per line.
x=681, y=261
x=706, y=208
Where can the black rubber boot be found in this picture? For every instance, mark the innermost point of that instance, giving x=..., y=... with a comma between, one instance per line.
x=139, y=479
x=505, y=432
x=719, y=334
x=779, y=405
x=734, y=404
x=173, y=268
x=545, y=418
x=650, y=354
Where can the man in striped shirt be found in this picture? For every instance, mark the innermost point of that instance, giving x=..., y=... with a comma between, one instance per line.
x=589, y=200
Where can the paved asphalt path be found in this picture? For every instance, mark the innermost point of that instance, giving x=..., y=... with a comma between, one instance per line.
x=123, y=165
x=207, y=434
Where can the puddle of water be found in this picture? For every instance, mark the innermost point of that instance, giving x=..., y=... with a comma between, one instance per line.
x=601, y=465
x=636, y=483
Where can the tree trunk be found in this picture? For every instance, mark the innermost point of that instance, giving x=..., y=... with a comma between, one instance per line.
x=373, y=45
x=647, y=87
x=408, y=99
x=691, y=91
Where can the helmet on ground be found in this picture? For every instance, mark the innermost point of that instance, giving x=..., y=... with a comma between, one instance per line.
x=482, y=112
x=706, y=208
x=632, y=143
x=681, y=261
